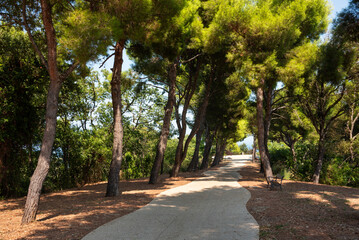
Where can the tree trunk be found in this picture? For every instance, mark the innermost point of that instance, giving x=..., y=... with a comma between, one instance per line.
x=223, y=149
x=294, y=154
x=43, y=165
x=261, y=133
x=162, y=144
x=178, y=157
x=193, y=166
x=207, y=149
x=4, y=152
x=115, y=167
x=220, y=147
x=254, y=148
x=318, y=169
x=267, y=118
x=181, y=150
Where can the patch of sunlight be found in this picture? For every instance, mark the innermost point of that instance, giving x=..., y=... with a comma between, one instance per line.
x=312, y=196
x=353, y=203
x=133, y=192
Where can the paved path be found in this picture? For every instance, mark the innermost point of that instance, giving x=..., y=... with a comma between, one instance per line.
x=212, y=207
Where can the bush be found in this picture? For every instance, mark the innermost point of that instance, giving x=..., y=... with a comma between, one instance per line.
x=339, y=172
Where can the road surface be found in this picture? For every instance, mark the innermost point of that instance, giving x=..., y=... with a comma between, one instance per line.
x=212, y=207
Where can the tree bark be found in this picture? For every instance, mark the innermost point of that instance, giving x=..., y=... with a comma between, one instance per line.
x=193, y=166
x=207, y=149
x=261, y=133
x=43, y=165
x=4, y=152
x=162, y=144
x=268, y=118
x=350, y=128
x=254, y=148
x=318, y=169
x=220, y=147
x=294, y=154
x=117, y=147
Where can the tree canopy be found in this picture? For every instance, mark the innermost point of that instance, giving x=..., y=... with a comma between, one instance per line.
x=205, y=75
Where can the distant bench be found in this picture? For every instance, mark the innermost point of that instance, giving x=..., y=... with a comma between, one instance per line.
x=275, y=181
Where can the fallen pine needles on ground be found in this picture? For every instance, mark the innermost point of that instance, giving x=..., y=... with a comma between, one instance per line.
x=302, y=210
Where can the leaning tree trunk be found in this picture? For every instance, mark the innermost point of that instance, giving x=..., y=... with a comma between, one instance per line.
x=117, y=147
x=162, y=144
x=318, y=169
x=43, y=165
x=207, y=149
x=261, y=133
x=193, y=166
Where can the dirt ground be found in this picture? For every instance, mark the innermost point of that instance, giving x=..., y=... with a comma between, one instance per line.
x=301, y=210
x=71, y=214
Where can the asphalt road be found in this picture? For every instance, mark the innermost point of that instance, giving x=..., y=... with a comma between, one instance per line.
x=212, y=207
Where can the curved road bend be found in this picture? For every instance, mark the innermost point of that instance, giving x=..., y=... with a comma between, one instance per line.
x=212, y=207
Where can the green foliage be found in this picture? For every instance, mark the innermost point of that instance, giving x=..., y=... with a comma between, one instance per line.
x=238, y=43
x=170, y=154
x=86, y=34
x=244, y=149
x=346, y=26
x=22, y=92
x=336, y=171
x=280, y=157
x=233, y=148
x=339, y=172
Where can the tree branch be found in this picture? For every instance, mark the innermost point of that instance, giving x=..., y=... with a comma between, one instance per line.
x=103, y=63
x=336, y=102
x=191, y=59
x=339, y=113
x=152, y=85
x=32, y=40
x=69, y=70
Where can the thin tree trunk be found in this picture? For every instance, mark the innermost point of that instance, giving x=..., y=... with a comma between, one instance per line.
x=268, y=118
x=197, y=124
x=193, y=166
x=43, y=165
x=261, y=133
x=181, y=150
x=294, y=154
x=350, y=128
x=207, y=149
x=162, y=144
x=254, y=148
x=318, y=169
x=117, y=147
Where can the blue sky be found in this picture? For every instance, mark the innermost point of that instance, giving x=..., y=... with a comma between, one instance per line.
x=338, y=5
